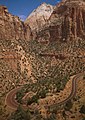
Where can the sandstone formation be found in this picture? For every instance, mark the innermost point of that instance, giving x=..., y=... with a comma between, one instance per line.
x=39, y=16
x=66, y=22
x=11, y=27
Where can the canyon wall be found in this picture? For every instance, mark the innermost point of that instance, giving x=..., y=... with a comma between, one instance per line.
x=11, y=28
x=66, y=22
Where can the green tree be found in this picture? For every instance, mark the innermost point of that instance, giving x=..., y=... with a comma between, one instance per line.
x=82, y=109
x=52, y=117
x=20, y=95
x=34, y=99
x=68, y=105
x=42, y=94
x=20, y=114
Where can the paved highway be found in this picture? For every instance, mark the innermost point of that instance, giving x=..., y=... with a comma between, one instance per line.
x=10, y=99
x=12, y=103
x=73, y=91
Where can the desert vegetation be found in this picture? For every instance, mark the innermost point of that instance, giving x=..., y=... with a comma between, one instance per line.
x=50, y=73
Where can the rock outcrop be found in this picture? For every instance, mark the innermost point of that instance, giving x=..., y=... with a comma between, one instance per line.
x=39, y=16
x=66, y=22
x=11, y=27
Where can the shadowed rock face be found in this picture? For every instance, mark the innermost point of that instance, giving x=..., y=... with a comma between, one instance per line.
x=73, y=21
x=67, y=21
x=11, y=27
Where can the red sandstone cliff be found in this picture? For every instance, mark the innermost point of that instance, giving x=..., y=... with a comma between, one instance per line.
x=11, y=27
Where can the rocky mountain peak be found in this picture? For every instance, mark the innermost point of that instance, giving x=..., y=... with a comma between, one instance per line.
x=39, y=16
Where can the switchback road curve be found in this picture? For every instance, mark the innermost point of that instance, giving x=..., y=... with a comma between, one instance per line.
x=12, y=103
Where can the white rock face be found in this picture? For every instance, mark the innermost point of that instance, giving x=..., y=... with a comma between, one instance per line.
x=39, y=16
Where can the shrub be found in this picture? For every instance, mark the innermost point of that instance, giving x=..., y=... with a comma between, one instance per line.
x=68, y=105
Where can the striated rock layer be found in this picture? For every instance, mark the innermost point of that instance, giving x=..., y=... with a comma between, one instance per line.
x=66, y=22
x=11, y=27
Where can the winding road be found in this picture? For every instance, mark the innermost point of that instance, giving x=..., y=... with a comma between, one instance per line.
x=73, y=91
x=13, y=104
x=10, y=99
